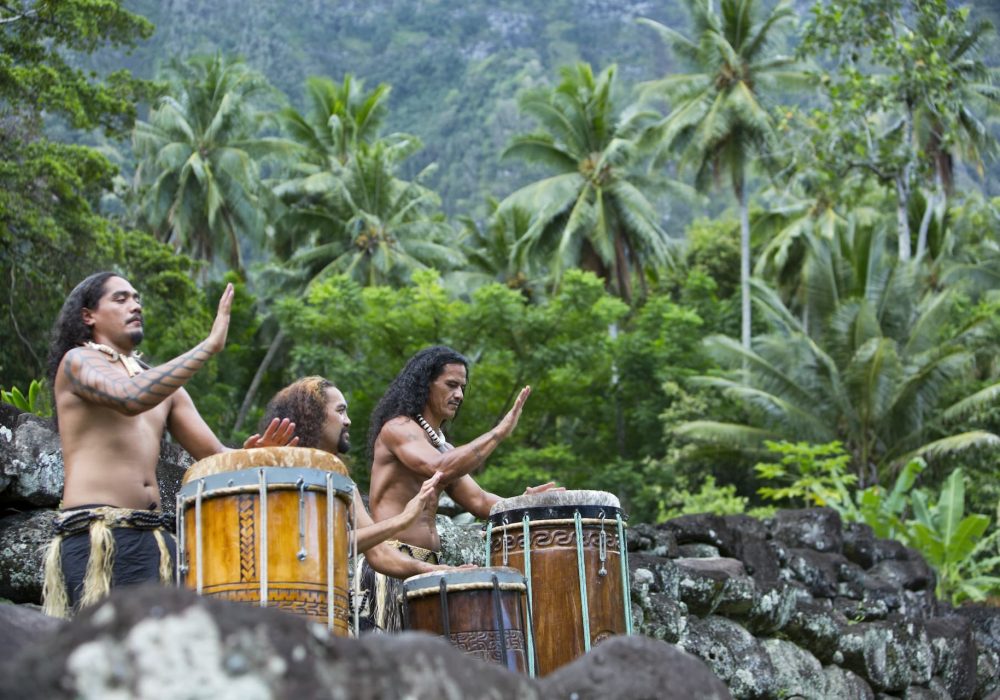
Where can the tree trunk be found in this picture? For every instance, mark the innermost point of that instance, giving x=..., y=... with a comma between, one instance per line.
x=739, y=185
x=257, y=379
x=903, y=186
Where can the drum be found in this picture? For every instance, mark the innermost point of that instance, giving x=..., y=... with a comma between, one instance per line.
x=569, y=545
x=480, y=611
x=268, y=526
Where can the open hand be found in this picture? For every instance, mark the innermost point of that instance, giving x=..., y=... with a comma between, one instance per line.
x=509, y=421
x=550, y=486
x=427, y=497
x=216, y=339
x=279, y=433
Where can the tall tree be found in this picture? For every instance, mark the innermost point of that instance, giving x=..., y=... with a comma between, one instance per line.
x=906, y=96
x=877, y=374
x=199, y=174
x=719, y=118
x=595, y=212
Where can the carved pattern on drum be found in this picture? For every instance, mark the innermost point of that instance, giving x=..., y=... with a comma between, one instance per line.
x=542, y=539
x=485, y=644
x=248, y=557
x=312, y=603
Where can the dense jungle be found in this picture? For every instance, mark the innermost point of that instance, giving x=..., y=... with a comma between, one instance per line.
x=746, y=253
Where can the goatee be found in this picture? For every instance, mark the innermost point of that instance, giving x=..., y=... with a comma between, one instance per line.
x=135, y=337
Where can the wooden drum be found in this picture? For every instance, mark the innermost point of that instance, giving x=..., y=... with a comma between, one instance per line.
x=268, y=526
x=480, y=611
x=569, y=545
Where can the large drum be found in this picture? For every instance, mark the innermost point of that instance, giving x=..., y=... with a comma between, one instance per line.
x=483, y=612
x=268, y=526
x=569, y=545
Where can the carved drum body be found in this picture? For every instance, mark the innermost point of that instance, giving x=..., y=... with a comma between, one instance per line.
x=570, y=547
x=268, y=526
x=483, y=612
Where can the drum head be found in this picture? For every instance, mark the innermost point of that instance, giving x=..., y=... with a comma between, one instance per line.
x=482, y=577
x=236, y=460
x=555, y=505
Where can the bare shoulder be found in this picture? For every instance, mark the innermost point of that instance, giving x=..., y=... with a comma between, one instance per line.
x=398, y=430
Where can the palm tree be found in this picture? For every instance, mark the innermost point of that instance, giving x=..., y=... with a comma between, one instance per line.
x=593, y=213
x=875, y=375
x=198, y=176
x=718, y=120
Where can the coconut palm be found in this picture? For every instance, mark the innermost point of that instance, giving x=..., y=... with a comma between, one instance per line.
x=719, y=119
x=594, y=212
x=198, y=175
x=875, y=375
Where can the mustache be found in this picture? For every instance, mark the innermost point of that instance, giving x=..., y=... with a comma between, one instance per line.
x=135, y=317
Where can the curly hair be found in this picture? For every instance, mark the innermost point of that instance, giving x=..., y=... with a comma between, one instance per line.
x=304, y=403
x=408, y=392
x=69, y=330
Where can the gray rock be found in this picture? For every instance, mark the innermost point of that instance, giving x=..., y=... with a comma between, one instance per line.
x=859, y=544
x=638, y=669
x=796, y=671
x=733, y=654
x=23, y=537
x=816, y=627
x=705, y=583
x=908, y=574
x=772, y=610
x=655, y=539
x=817, y=571
x=818, y=529
x=21, y=625
x=890, y=657
x=844, y=685
x=697, y=550
x=954, y=652
x=654, y=614
x=701, y=528
x=36, y=466
x=461, y=544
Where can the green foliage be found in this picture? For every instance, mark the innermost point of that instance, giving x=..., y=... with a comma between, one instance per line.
x=812, y=474
x=709, y=498
x=36, y=401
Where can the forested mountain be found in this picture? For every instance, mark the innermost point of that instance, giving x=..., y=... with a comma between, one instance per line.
x=455, y=68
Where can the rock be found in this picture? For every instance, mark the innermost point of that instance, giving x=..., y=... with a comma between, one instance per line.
x=772, y=610
x=174, y=461
x=147, y=641
x=844, y=685
x=36, y=467
x=910, y=574
x=703, y=584
x=461, y=544
x=733, y=654
x=23, y=537
x=815, y=627
x=638, y=669
x=697, y=551
x=859, y=544
x=817, y=571
x=889, y=549
x=655, y=539
x=889, y=657
x=817, y=529
x=21, y=625
x=796, y=671
x=702, y=528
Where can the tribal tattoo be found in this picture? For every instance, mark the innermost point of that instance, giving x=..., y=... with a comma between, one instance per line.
x=95, y=379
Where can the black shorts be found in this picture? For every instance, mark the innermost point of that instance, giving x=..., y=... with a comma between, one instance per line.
x=136, y=559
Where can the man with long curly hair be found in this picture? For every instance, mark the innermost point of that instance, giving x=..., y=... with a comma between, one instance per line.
x=408, y=445
x=112, y=410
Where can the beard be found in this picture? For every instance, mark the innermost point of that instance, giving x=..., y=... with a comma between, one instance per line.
x=344, y=443
x=135, y=337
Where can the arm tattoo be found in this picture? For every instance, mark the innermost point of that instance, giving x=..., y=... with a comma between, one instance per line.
x=94, y=379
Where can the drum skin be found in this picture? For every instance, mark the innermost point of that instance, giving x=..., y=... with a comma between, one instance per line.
x=297, y=536
x=556, y=599
x=472, y=621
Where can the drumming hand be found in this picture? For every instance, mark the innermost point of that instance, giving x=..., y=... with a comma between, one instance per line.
x=278, y=434
x=550, y=486
x=509, y=421
x=216, y=339
x=426, y=498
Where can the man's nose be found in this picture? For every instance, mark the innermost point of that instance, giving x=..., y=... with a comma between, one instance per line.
x=347, y=420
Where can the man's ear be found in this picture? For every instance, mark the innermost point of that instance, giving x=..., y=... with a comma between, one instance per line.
x=88, y=316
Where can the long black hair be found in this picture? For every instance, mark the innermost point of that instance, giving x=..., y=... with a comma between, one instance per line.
x=408, y=392
x=303, y=403
x=69, y=330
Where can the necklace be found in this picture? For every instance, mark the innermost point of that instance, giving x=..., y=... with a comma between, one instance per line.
x=129, y=362
x=437, y=438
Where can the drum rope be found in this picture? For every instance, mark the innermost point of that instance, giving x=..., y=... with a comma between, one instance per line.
x=181, y=558
x=263, y=538
x=504, y=543
x=626, y=583
x=329, y=552
x=602, y=548
x=584, y=607
x=353, y=546
x=198, y=536
x=302, y=553
x=498, y=612
x=445, y=620
x=525, y=524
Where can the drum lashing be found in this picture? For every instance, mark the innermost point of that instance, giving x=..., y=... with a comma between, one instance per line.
x=498, y=612
x=445, y=621
x=198, y=542
x=626, y=583
x=602, y=548
x=329, y=550
x=581, y=569
x=302, y=554
x=182, y=566
x=527, y=579
x=263, y=539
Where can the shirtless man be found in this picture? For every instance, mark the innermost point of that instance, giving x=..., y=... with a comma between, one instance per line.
x=407, y=446
x=112, y=412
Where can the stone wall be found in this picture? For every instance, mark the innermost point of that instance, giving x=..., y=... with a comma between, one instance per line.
x=800, y=605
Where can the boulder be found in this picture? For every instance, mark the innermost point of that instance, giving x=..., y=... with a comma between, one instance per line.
x=818, y=529
x=23, y=537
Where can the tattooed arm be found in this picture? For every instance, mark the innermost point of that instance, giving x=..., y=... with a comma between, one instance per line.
x=93, y=378
x=408, y=443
